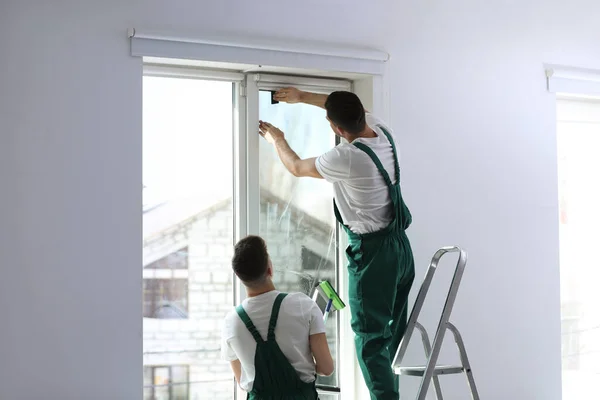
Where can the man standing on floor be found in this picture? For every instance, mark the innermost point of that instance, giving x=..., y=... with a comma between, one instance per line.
x=369, y=205
x=275, y=341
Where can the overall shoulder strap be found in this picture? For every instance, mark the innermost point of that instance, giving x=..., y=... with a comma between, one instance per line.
x=248, y=322
x=275, y=315
x=376, y=160
x=396, y=166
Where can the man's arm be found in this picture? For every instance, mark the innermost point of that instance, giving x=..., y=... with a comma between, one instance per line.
x=317, y=340
x=227, y=352
x=294, y=164
x=314, y=99
x=236, y=367
x=292, y=95
x=320, y=351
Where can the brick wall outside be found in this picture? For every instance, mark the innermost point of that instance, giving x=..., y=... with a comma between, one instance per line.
x=196, y=341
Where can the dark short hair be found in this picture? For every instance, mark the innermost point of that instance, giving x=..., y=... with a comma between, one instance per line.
x=346, y=111
x=250, y=260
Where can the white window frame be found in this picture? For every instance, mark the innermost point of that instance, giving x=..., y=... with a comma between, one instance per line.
x=579, y=82
x=372, y=87
x=240, y=145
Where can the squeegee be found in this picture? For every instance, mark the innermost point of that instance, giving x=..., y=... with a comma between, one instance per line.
x=325, y=291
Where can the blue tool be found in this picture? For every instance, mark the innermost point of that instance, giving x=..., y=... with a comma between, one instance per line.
x=327, y=309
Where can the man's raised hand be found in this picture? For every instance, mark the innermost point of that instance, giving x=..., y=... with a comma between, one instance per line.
x=289, y=95
x=269, y=132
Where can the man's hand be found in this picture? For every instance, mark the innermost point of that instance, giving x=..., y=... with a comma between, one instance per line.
x=289, y=95
x=292, y=95
x=290, y=160
x=269, y=132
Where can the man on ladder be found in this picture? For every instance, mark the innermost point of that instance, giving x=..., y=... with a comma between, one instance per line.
x=368, y=204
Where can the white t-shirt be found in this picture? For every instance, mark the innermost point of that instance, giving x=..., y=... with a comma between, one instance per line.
x=360, y=192
x=299, y=317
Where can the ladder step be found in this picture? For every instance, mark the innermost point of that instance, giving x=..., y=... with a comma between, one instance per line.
x=439, y=370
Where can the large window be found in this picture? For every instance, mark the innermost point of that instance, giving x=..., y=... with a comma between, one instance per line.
x=199, y=198
x=578, y=166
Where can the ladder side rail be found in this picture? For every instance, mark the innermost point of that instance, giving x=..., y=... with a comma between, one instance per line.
x=427, y=347
x=416, y=310
x=414, y=314
x=464, y=360
x=441, y=329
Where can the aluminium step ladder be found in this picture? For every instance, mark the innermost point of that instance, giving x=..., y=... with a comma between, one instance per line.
x=430, y=372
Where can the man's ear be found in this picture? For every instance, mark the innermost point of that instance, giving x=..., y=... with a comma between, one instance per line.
x=337, y=130
x=344, y=134
x=270, y=269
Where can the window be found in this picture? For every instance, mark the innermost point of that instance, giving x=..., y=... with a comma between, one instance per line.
x=365, y=66
x=297, y=213
x=166, y=382
x=195, y=192
x=578, y=135
x=166, y=287
x=188, y=235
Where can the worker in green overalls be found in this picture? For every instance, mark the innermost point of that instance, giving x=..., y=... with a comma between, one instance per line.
x=275, y=378
x=368, y=203
x=275, y=342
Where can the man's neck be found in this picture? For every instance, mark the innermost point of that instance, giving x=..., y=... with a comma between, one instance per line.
x=257, y=291
x=367, y=133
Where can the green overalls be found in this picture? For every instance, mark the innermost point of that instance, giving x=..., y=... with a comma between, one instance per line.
x=275, y=377
x=381, y=272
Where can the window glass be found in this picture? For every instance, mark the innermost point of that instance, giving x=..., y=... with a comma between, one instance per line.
x=297, y=219
x=187, y=236
x=578, y=131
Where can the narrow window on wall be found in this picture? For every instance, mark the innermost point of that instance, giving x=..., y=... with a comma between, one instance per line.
x=187, y=236
x=578, y=131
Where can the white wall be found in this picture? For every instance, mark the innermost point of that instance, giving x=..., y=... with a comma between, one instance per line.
x=479, y=170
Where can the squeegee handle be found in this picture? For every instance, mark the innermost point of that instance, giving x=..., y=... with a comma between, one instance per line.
x=327, y=310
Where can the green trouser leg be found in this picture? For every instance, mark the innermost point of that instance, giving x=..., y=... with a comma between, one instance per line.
x=381, y=272
x=401, y=303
